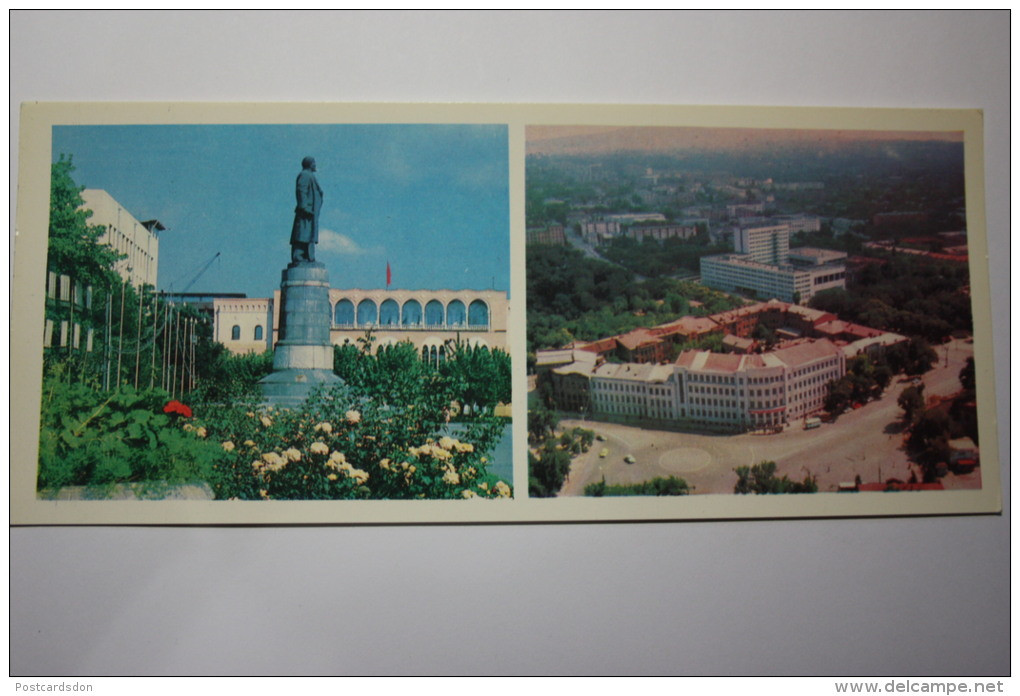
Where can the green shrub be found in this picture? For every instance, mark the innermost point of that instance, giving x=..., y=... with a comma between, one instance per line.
x=670, y=485
x=88, y=438
x=341, y=445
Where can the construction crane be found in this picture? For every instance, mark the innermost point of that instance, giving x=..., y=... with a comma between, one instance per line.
x=198, y=275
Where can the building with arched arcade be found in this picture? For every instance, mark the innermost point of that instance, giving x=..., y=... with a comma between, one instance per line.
x=428, y=319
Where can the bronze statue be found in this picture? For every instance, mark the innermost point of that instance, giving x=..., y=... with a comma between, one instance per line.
x=305, y=233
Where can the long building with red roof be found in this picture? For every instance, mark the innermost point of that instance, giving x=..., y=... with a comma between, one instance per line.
x=631, y=376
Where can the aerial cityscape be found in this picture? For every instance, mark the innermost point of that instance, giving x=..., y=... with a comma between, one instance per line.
x=747, y=311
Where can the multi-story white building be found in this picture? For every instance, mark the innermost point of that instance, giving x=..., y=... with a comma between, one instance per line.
x=137, y=241
x=632, y=390
x=757, y=391
x=765, y=266
x=763, y=243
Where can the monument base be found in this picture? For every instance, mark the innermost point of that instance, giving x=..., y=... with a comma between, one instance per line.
x=291, y=387
x=303, y=360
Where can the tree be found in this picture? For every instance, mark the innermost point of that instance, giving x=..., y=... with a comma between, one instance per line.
x=74, y=246
x=659, y=486
x=929, y=442
x=968, y=379
x=761, y=479
x=911, y=400
x=838, y=396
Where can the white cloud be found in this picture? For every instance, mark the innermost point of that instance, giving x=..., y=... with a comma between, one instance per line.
x=338, y=243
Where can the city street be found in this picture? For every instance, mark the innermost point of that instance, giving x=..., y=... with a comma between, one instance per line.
x=865, y=442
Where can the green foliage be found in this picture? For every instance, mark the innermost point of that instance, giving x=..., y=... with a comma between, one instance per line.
x=573, y=297
x=911, y=400
x=761, y=479
x=475, y=376
x=670, y=485
x=928, y=443
x=74, y=247
x=914, y=296
x=547, y=470
x=88, y=438
x=224, y=377
x=549, y=463
x=541, y=424
x=482, y=374
x=654, y=258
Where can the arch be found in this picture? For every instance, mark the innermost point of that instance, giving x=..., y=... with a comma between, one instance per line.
x=235, y=333
x=389, y=313
x=478, y=314
x=385, y=344
x=344, y=313
x=410, y=315
x=456, y=314
x=367, y=313
x=435, y=314
x=258, y=332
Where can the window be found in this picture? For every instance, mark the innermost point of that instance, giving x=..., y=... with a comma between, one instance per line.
x=258, y=332
x=235, y=333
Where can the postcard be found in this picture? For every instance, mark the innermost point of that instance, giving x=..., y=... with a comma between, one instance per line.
x=395, y=313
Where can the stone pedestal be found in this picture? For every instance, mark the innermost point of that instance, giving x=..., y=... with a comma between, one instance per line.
x=303, y=359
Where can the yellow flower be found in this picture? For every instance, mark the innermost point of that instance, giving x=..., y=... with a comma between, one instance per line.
x=384, y=464
x=273, y=461
x=324, y=427
x=228, y=446
x=201, y=432
x=188, y=427
x=250, y=414
x=465, y=447
x=451, y=477
x=267, y=421
x=447, y=443
x=264, y=493
x=318, y=448
x=292, y=454
x=249, y=443
x=332, y=477
x=503, y=489
x=352, y=417
x=439, y=453
x=468, y=493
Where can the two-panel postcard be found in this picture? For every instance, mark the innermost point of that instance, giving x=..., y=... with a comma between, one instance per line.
x=339, y=313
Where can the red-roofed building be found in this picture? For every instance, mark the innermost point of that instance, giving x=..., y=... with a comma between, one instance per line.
x=757, y=391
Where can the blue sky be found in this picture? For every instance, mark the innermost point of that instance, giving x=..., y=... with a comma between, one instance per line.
x=432, y=200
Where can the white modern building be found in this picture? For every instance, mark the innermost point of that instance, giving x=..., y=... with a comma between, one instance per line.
x=763, y=243
x=765, y=266
x=137, y=241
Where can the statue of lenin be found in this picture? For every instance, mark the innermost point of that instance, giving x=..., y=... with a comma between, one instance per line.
x=305, y=233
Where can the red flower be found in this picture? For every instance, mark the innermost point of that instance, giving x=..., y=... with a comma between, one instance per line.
x=178, y=408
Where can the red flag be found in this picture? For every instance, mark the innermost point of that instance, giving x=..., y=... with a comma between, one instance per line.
x=389, y=274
